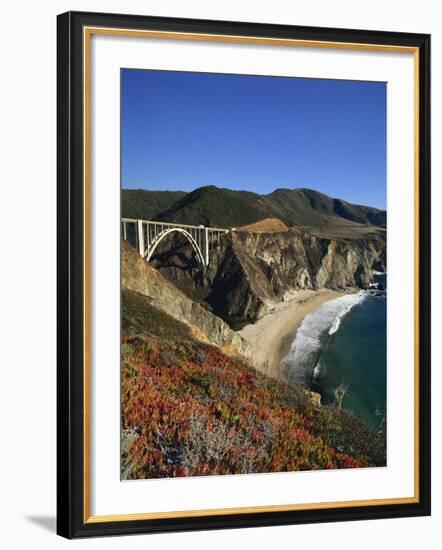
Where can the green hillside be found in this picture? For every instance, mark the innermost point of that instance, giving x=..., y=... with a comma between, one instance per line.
x=145, y=205
x=308, y=207
x=218, y=207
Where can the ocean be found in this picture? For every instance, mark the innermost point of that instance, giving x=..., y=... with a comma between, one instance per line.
x=343, y=344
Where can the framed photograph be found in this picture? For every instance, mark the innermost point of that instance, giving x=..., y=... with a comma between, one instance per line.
x=243, y=274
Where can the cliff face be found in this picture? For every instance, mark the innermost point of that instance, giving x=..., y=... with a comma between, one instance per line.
x=139, y=276
x=252, y=271
x=249, y=272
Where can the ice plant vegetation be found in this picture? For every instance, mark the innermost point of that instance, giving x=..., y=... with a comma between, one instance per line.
x=189, y=409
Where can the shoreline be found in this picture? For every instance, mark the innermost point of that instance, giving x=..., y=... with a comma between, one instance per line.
x=271, y=336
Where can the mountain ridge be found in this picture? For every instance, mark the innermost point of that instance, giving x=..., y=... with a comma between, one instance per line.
x=145, y=204
x=214, y=206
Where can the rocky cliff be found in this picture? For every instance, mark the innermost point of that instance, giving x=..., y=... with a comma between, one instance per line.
x=249, y=272
x=139, y=276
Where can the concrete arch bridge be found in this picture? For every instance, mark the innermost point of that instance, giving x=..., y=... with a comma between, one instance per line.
x=146, y=235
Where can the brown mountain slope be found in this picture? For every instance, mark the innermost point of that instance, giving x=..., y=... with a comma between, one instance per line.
x=268, y=225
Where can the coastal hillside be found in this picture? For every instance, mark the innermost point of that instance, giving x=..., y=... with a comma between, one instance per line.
x=141, y=277
x=144, y=204
x=216, y=207
x=311, y=208
x=190, y=409
x=251, y=271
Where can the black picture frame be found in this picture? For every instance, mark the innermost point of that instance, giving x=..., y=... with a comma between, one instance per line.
x=71, y=520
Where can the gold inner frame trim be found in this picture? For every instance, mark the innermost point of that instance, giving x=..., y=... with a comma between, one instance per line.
x=87, y=34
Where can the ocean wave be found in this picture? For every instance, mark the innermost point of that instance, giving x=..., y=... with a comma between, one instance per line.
x=318, y=371
x=312, y=333
x=337, y=322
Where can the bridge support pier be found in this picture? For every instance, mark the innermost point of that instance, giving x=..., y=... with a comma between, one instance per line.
x=140, y=237
x=205, y=246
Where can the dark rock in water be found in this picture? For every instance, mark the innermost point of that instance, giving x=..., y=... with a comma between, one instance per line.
x=381, y=263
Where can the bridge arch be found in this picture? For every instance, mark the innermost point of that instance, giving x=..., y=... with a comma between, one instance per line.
x=168, y=231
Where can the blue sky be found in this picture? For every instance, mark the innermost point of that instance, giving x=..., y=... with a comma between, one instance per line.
x=184, y=130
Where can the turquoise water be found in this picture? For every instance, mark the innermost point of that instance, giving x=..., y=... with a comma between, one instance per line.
x=356, y=356
x=345, y=343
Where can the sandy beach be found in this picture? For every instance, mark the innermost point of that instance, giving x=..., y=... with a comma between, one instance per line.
x=272, y=335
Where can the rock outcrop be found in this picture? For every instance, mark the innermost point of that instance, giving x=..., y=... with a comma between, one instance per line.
x=254, y=270
x=249, y=271
x=139, y=276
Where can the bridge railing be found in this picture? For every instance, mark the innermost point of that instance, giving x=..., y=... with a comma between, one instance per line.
x=129, y=232
x=172, y=224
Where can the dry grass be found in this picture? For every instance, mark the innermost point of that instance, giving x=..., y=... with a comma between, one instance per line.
x=268, y=225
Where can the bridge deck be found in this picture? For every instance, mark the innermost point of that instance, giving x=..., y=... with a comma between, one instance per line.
x=173, y=224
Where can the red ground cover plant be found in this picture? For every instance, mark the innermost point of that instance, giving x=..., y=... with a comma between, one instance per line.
x=188, y=409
